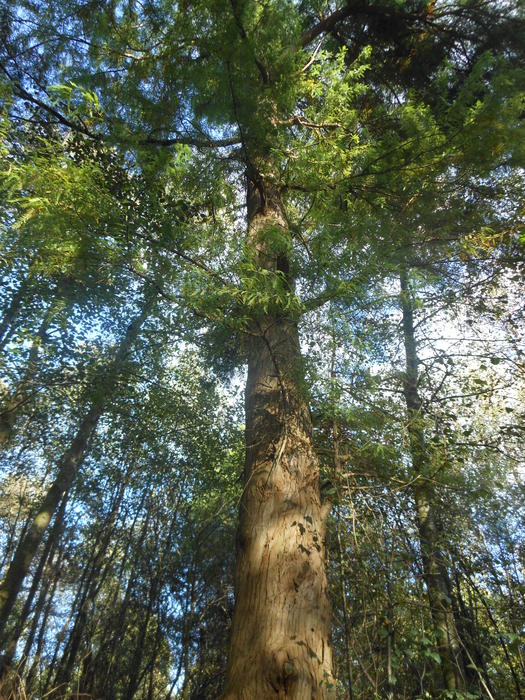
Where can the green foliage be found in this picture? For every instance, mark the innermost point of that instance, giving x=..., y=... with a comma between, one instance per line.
x=393, y=142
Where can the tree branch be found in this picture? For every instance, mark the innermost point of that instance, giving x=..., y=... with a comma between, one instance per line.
x=79, y=127
x=260, y=66
x=325, y=25
x=191, y=141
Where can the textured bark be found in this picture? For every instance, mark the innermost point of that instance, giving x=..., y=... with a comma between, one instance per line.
x=67, y=470
x=439, y=593
x=279, y=646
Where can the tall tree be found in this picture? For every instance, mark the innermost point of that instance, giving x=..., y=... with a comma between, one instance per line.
x=306, y=138
x=436, y=578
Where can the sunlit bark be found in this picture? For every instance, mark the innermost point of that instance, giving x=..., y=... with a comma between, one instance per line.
x=279, y=646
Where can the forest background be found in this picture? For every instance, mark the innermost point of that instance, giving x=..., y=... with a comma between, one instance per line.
x=262, y=362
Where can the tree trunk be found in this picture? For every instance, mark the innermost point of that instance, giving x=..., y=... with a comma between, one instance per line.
x=469, y=578
x=67, y=470
x=11, y=642
x=38, y=610
x=14, y=532
x=346, y=620
x=99, y=564
x=7, y=324
x=474, y=649
x=109, y=652
x=11, y=403
x=279, y=646
x=436, y=579
x=338, y=470
x=27, y=548
x=48, y=592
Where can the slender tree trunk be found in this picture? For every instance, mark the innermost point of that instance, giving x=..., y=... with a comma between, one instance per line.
x=11, y=642
x=474, y=648
x=138, y=650
x=438, y=590
x=100, y=564
x=279, y=646
x=107, y=657
x=43, y=625
x=53, y=664
x=469, y=578
x=338, y=470
x=12, y=402
x=39, y=609
x=7, y=324
x=27, y=548
x=49, y=579
x=47, y=555
x=346, y=620
x=72, y=648
x=137, y=672
x=390, y=684
x=12, y=536
x=67, y=470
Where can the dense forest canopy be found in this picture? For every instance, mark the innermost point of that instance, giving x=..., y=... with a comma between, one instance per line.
x=261, y=382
